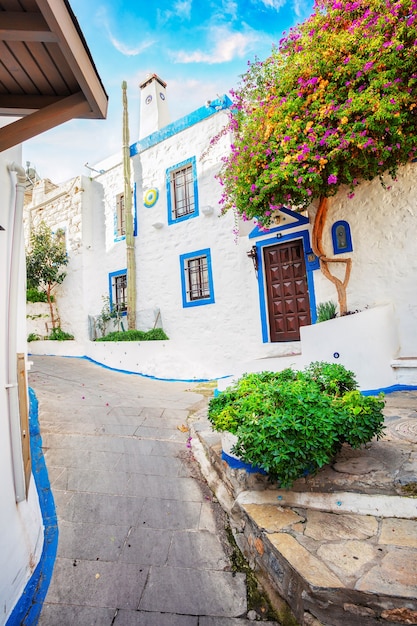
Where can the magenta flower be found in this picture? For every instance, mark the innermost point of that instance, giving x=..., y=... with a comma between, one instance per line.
x=332, y=180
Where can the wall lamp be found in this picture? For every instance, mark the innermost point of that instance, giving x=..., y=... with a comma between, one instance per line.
x=253, y=254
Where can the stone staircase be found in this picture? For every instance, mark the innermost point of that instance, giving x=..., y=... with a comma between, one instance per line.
x=339, y=547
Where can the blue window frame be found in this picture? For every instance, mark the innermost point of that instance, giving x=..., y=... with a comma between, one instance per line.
x=182, y=191
x=341, y=237
x=312, y=264
x=196, y=278
x=118, y=291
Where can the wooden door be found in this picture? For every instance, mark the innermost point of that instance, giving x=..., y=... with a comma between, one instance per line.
x=287, y=290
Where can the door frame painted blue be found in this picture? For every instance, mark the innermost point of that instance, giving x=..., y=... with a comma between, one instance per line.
x=311, y=261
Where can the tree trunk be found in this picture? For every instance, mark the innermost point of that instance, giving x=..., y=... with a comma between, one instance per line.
x=318, y=249
x=51, y=308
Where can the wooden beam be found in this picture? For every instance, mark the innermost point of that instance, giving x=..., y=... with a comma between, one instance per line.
x=76, y=52
x=43, y=120
x=22, y=26
x=23, y=104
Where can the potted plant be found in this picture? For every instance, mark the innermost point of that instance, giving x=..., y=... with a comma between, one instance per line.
x=290, y=423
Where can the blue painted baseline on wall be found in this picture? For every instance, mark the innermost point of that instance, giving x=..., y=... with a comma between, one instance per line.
x=27, y=610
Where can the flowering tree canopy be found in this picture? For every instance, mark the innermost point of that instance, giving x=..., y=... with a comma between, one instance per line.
x=334, y=104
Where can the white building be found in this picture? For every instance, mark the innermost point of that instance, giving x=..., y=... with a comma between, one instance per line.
x=27, y=535
x=230, y=297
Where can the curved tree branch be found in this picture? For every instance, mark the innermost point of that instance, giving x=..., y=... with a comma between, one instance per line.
x=318, y=249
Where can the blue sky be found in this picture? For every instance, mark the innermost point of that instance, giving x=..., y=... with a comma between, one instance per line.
x=200, y=48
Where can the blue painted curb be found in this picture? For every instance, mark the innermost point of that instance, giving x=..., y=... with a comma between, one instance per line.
x=235, y=463
x=28, y=608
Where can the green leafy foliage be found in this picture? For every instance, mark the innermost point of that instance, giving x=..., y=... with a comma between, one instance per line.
x=326, y=311
x=33, y=337
x=33, y=295
x=334, y=104
x=45, y=259
x=291, y=422
x=156, y=334
x=57, y=334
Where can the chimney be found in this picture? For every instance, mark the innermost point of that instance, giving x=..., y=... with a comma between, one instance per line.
x=154, y=113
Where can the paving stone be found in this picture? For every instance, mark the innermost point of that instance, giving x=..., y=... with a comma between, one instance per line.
x=91, y=541
x=112, y=483
x=305, y=563
x=145, y=618
x=146, y=546
x=169, y=423
x=333, y=526
x=396, y=575
x=194, y=592
x=347, y=559
x=227, y=621
x=200, y=550
x=165, y=488
x=165, y=466
x=164, y=434
x=207, y=518
x=102, y=509
x=359, y=465
x=61, y=615
x=170, y=514
x=272, y=518
x=93, y=583
x=399, y=532
x=165, y=448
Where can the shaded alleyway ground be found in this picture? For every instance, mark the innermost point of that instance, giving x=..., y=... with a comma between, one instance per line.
x=142, y=541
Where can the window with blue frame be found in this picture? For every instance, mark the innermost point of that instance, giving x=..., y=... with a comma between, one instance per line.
x=196, y=278
x=341, y=237
x=120, y=216
x=118, y=291
x=182, y=191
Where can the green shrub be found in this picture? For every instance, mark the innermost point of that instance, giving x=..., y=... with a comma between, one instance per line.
x=33, y=337
x=156, y=334
x=289, y=423
x=33, y=295
x=326, y=311
x=59, y=335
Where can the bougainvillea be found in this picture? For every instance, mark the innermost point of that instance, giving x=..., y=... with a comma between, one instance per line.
x=334, y=104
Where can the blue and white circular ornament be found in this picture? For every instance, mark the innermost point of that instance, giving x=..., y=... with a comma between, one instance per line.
x=150, y=197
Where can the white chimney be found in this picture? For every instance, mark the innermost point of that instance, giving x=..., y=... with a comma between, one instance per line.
x=154, y=113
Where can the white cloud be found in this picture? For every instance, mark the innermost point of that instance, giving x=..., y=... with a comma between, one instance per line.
x=302, y=9
x=126, y=50
x=226, y=46
x=181, y=10
x=122, y=46
x=274, y=4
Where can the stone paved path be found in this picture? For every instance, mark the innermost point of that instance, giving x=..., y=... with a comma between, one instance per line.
x=141, y=539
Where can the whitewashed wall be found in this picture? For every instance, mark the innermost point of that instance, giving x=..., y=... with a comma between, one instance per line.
x=21, y=530
x=384, y=269
x=222, y=337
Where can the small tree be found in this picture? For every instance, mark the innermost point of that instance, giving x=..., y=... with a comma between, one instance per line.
x=334, y=104
x=45, y=259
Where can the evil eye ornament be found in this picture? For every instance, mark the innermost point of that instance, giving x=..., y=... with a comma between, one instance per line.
x=150, y=197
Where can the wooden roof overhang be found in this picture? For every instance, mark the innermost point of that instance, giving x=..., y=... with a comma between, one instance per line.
x=47, y=74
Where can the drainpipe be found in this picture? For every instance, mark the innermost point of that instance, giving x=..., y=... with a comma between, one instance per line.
x=12, y=301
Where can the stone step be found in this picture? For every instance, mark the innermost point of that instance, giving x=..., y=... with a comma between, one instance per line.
x=342, y=569
x=338, y=502
x=339, y=547
x=405, y=370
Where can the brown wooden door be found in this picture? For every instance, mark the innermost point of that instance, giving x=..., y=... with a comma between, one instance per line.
x=287, y=291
